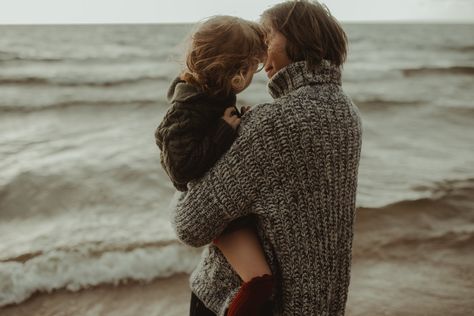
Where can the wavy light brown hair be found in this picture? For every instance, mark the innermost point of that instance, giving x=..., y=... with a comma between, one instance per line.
x=311, y=31
x=222, y=52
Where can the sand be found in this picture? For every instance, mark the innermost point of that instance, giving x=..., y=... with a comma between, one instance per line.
x=161, y=297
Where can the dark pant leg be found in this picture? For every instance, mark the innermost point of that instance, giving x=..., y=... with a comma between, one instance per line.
x=198, y=308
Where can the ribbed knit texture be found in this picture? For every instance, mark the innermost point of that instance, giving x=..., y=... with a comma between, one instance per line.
x=294, y=165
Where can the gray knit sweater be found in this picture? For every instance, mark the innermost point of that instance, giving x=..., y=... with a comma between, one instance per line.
x=294, y=165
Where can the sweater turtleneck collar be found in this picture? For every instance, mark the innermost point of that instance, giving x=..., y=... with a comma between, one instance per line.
x=297, y=75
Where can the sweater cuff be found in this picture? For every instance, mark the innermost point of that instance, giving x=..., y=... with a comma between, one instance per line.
x=224, y=134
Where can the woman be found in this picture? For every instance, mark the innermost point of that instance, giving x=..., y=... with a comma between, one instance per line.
x=294, y=166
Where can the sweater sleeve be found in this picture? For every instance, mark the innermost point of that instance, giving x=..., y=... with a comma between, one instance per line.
x=225, y=193
x=190, y=144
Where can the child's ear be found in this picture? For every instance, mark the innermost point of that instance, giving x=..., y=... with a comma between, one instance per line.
x=238, y=82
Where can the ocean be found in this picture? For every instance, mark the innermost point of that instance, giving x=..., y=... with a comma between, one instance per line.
x=84, y=201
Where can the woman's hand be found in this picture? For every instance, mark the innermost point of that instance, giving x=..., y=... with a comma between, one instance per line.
x=231, y=117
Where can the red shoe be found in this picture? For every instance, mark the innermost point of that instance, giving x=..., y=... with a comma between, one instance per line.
x=252, y=297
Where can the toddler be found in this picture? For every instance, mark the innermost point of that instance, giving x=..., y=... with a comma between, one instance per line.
x=201, y=125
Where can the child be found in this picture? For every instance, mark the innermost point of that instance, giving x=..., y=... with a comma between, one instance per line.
x=200, y=127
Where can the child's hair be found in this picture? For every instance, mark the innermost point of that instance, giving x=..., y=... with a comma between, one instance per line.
x=222, y=52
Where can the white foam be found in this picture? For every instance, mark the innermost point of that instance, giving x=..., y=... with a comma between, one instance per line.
x=79, y=250
x=80, y=268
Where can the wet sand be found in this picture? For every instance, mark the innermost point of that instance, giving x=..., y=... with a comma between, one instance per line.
x=413, y=258
x=161, y=297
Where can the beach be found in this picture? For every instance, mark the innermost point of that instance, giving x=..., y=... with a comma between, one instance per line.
x=84, y=217
x=397, y=271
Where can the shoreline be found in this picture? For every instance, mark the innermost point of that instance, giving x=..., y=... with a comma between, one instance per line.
x=410, y=258
x=167, y=296
x=378, y=287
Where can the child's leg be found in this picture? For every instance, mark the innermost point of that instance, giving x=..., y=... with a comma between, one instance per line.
x=244, y=253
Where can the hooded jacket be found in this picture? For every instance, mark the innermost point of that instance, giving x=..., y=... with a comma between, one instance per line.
x=193, y=135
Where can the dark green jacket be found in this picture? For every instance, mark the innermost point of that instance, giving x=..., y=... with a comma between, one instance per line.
x=193, y=135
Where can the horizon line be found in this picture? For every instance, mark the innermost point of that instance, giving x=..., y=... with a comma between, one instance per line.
x=453, y=22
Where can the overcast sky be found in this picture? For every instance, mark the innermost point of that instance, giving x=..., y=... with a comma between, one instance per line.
x=171, y=11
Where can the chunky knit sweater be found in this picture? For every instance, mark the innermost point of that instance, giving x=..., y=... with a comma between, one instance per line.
x=294, y=166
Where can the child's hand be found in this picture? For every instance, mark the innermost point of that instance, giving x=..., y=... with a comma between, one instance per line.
x=231, y=117
x=244, y=109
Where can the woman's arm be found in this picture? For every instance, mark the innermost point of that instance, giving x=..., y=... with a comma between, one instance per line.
x=226, y=192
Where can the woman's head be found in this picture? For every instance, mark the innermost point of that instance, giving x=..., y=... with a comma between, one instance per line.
x=224, y=54
x=302, y=30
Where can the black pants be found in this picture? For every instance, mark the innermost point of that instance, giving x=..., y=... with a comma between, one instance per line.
x=198, y=308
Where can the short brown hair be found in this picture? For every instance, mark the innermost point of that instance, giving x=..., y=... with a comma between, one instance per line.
x=311, y=31
x=221, y=53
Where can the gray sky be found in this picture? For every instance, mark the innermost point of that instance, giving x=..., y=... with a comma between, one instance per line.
x=161, y=11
